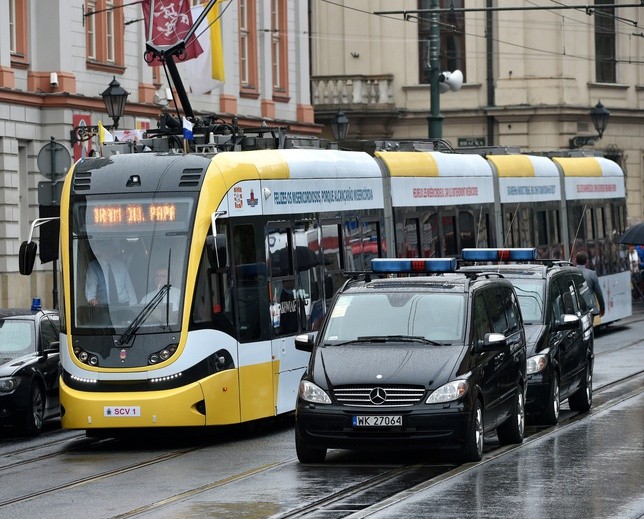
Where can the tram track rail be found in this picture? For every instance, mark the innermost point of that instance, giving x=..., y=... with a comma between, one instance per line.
x=389, y=485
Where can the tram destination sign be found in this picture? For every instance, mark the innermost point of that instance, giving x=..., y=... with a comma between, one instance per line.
x=137, y=214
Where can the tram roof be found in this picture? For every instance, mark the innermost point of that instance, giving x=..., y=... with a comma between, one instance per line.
x=523, y=166
x=298, y=163
x=588, y=167
x=434, y=164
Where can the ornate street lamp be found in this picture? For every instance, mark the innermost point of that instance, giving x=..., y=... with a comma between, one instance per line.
x=114, y=97
x=340, y=126
x=599, y=116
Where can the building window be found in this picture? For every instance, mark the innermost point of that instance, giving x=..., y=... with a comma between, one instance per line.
x=279, y=48
x=452, y=38
x=248, y=47
x=104, y=31
x=605, y=64
x=18, y=30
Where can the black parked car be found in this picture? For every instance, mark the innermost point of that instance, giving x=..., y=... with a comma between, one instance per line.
x=414, y=362
x=29, y=368
x=556, y=305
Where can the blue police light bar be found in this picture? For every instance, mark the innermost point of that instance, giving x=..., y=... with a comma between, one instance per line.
x=411, y=266
x=526, y=254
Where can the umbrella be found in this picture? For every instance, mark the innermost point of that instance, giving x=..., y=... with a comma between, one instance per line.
x=634, y=235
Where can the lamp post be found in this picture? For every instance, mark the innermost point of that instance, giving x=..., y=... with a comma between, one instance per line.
x=599, y=116
x=340, y=126
x=435, y=119
x=114, y=97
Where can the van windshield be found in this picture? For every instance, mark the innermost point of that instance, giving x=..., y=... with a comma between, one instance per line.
x=437, y=317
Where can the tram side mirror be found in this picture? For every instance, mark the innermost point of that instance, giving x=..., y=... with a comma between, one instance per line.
x=27, y=257
x=217, y=251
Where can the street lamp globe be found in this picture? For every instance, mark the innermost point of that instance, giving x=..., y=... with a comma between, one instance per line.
x=340, y=126
x=599, y=115
x=115, y=97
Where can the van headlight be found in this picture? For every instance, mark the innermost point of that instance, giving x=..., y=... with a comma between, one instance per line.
x=309, y=392
x=8, y=384
x=536, y=363
x=449, y=392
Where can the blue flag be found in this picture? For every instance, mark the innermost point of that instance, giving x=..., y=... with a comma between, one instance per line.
x=187, y=130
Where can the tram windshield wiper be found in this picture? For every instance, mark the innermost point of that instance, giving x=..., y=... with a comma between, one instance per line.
x=143, y=315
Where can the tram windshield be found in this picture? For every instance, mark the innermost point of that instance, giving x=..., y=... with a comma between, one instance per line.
x=126, y=253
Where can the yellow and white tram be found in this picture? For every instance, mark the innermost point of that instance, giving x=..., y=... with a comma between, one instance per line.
x=252, y=246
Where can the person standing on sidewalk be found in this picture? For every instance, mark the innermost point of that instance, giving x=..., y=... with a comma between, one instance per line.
x=592, y=281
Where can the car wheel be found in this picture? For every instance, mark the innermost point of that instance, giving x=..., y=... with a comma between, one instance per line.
x=472, y=449
x=35, y=414
x=308, y=454
x=550, y=415
x=511, y=431
x=582, y=399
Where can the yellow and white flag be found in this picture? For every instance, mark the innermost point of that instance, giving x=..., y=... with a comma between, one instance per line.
x=206, y=71
x=103, y=134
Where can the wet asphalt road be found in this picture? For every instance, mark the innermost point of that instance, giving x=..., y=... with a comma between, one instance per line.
x=589, y=467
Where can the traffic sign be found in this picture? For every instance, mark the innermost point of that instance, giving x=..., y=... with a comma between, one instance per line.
x=54, y=160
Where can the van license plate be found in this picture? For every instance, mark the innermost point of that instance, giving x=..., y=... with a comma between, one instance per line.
x=377, y=421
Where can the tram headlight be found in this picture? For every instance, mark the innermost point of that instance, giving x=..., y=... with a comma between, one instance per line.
x=85, y=357
x=162, y=355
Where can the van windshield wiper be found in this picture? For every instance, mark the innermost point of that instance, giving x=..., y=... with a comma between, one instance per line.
x=390, y=338
x=143, y=315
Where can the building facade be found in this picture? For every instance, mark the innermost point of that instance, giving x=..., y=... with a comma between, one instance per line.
x=531, y=75
x=57, y=56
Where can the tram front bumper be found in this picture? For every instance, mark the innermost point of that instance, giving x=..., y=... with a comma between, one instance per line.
x=167, y=408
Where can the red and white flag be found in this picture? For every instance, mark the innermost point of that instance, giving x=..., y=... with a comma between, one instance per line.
x=170, y=21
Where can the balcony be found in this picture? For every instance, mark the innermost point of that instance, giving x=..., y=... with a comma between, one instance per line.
x=368, y=102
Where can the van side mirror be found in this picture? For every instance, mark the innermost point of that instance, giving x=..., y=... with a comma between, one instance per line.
x=567, y=322
x=217, y=251
x=305, y=341
x=493, y=342
x=27, y=257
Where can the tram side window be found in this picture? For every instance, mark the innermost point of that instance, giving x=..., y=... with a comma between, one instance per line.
x=431, y=236
x=333, y=254
x=541, y=233
x=449, y=235
x=511, y=229
x=371, y=240
x=284, y=299
x=353, y=244
x=250, y=275
x=589, y=221
x=409, y=248
x=577, y=223
x=483, y=230
x=308, y=274
x=525, y=227
x=466, y=227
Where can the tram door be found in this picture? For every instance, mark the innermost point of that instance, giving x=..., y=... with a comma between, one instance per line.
x=294, y=291
x=256, y=367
